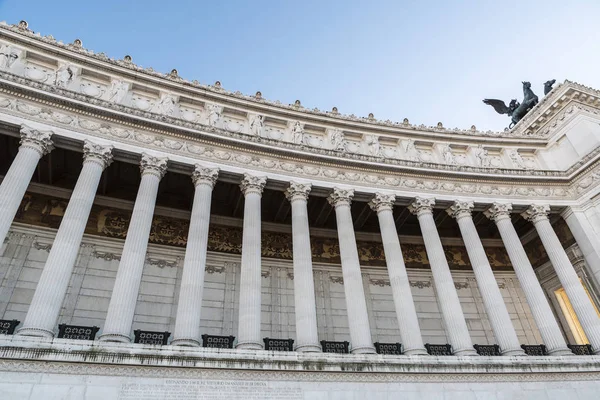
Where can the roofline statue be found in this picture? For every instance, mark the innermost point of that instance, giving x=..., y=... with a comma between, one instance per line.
x=515, y=110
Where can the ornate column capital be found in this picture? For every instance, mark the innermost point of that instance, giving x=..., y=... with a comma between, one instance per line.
x=498, y=211
x=381, y=202
x=422, y=205
x=40, y=141
x=253, y=184
x=204, y=176
x=298, y=191
x=460, y=209
x=340, y=197
x=536, y=213
x=153, y=165
x=101, y=154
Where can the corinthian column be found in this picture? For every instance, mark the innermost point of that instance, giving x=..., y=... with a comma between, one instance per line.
x=34, y=144
x=54, y=281
x=403, y=301
x=119, y=319
x=538, y=215
x=307, y=338
x=250, y=279
x=490, y=293
x=187, y=322
x=452, y=314
x=358, y=319
x=542, y=314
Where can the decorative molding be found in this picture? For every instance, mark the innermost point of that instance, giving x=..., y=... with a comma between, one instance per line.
x=213, y=269
x=379, y=282
x=420, y=284
x=336, y=279
x=461, y=285
x=107, y=256
x=441, y=186
x=42, y=246
x=161, y=263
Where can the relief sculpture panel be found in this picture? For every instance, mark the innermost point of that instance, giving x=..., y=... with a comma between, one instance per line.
x=42, y=210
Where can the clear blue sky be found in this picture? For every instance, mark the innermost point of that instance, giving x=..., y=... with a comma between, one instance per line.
x=427, y=61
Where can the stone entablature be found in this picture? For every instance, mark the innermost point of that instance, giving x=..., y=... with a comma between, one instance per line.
x=80, y=75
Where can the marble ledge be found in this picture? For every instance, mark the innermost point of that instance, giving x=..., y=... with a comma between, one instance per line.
x=87, y=352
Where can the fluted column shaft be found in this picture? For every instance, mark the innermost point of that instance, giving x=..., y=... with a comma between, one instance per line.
x=540, y=309
x=34, y=144
x=54, y=281
x=452, y=314
x=358, y=318
x=590, y=322
x=123, y=300
x=249, y=336
x=307, y=337
x=403, y=300
x=187, y=321
x=493, y=302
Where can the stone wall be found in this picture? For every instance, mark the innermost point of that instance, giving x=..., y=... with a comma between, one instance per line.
x=63, y=369
x=89, y=292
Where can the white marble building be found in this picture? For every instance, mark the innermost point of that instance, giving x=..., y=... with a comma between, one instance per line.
x=133, y=200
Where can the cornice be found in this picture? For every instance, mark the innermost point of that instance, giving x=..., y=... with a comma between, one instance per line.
x=66, y=100
x=79, y=117
x=56, y=106
x=20, y=34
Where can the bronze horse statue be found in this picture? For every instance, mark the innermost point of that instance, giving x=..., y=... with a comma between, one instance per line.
x=515, y=110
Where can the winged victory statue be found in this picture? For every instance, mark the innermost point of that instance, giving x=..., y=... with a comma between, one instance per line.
x=515, y=110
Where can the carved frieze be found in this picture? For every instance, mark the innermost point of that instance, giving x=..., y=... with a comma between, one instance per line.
x=43, y=210
x=185, y=147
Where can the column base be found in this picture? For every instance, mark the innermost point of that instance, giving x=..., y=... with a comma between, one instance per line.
x=35, y=332
x=114, y=337
x=308, y=348
x=419, y=351
x=466, y=352
x=513, y=352
x=185, y=342
x=561, y=351
x=249, y=346
x=363, y=350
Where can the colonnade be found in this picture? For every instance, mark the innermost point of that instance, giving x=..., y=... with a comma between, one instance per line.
x=45, y=307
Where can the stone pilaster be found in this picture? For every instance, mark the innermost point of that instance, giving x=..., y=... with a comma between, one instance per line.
x=121, y=309
x=187, y=322
x=403, y=300
x=452, y=314
x=493, y=302
x=307, y=337
x=54, y=281
x=542, y=313
x=358, y=319
x=538, y=215
x=588, y=241
x=249, y=336
x=34, y=144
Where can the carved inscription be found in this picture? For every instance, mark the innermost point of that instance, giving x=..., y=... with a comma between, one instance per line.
x=183, y=389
